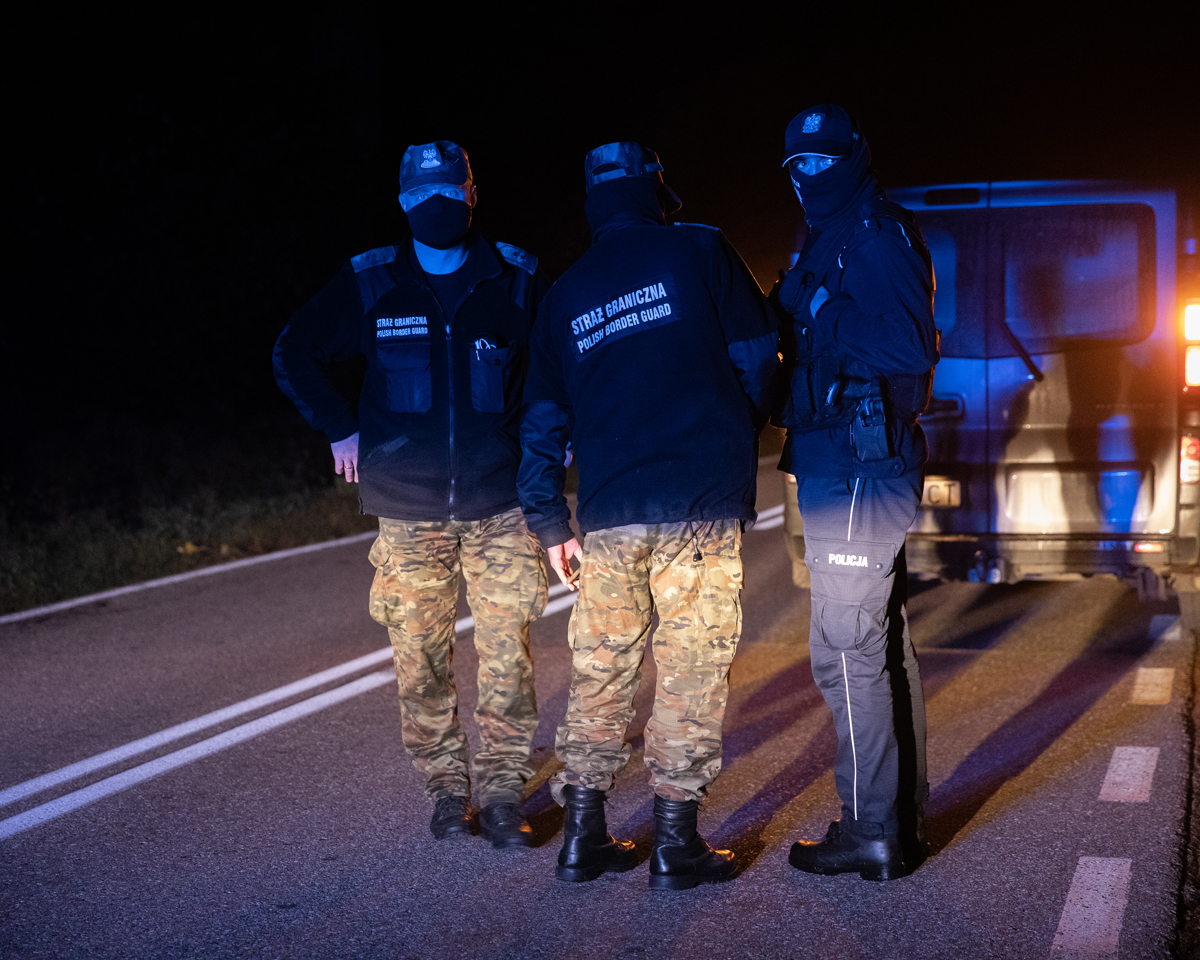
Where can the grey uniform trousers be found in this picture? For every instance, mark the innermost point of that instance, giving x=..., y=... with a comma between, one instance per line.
x=862, y=658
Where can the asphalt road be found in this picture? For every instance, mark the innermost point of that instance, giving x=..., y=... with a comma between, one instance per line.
x=293, y=826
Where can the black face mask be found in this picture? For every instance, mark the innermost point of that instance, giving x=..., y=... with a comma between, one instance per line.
x=440, y=222
x=838, y=189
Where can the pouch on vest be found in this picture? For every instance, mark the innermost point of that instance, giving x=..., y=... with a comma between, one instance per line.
x=493, y=371
x=409, y=385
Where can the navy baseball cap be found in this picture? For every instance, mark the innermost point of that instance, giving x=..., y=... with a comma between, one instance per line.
x=442, y=161
x=624, y=159
x=825, y=129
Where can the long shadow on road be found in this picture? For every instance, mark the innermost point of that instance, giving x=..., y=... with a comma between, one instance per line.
x=1013, y=746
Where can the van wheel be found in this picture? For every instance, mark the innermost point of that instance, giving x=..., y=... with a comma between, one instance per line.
x=1189, y=610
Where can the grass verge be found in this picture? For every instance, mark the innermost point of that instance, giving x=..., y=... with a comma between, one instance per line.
x=87, y=552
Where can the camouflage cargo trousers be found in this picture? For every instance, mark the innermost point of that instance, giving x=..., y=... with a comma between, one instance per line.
x=415, y=595
x=691, y=573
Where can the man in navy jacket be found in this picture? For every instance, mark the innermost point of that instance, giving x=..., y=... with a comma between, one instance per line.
x=860, y=349
x=656, y=353
x=444, y=322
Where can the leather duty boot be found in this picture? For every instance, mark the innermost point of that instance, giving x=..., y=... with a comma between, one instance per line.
x=504, y=824
x=681, y=858
x=451, y=817
x=841, y=852
x=587, y=849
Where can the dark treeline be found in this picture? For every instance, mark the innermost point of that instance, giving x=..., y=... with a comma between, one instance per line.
x=180, y=186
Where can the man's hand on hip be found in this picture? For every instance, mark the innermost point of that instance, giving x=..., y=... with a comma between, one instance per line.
x=345, y=457
x=560, y=561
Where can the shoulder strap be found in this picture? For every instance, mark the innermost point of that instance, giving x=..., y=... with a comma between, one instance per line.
x=518, y=257
x=876, y=210
x=373, y=276
x=373, y=258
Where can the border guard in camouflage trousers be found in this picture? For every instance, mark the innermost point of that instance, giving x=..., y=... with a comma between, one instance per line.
x=443, y=320
x=657, y=352
x=860, y=346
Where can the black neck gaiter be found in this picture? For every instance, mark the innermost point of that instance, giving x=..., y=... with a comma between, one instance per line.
x=440, y=222
x=837, y=190
x=624, y=200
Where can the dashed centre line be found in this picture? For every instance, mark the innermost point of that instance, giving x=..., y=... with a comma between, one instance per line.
x=1152, y=685
x=1090, y=926
x=1130, y=773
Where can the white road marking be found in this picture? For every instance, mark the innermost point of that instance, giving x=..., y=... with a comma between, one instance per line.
x=1165, y=628
x=770, y=524
x=220, y=568
x=181, y=577
x=554, y=606
x=117, y=754
x=558, y=602
x=1090, y=925
x=122, y=781
x=1153, y=685
x=177, y=732
x=770, y=512
x=1130, y=773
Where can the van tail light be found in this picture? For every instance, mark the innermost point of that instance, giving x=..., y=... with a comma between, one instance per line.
x=1191, y=322
x=1148, y=547
x=1189, y=460
x=1191, y=366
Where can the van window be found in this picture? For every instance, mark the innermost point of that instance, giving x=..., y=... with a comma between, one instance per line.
x=1074, y=276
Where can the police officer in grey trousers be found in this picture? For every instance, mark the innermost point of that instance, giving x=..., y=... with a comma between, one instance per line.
x=860, y=345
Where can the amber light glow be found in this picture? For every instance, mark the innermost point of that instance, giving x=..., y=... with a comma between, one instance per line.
x=1191, y=366
x=1191, y=321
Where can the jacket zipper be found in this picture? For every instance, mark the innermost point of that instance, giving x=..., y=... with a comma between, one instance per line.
x=450, y=407
x=450, y=382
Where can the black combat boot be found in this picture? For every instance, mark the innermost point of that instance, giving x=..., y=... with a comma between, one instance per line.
x=504, y=824
x=842, y=852
x=681, y=858
x=451, y=815
x=587, y=849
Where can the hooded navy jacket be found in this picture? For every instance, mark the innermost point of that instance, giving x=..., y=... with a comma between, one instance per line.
x=657, y=351
x=438, y=417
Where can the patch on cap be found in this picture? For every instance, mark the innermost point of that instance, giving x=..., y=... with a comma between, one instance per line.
x=442, y=161
x=812, y=123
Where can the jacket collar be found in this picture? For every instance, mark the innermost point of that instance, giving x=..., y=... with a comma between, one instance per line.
x=482, y=263
x=622, y=220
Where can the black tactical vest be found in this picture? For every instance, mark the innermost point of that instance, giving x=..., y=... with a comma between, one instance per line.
x=826, y=389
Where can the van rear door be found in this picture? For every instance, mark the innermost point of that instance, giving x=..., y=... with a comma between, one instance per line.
x=1053, y=427
x=1081, y=383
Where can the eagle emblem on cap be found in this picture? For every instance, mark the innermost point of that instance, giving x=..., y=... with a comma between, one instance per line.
x=430, y=158
x=812, y=123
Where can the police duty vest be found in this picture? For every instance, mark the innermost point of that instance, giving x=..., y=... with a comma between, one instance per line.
x=827, y=390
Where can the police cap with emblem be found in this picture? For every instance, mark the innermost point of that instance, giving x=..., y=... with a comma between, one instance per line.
x=627, y=159
x=825, y=129
x=442, y=161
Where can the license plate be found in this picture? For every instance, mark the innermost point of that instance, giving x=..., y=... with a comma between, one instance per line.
x=941, y=492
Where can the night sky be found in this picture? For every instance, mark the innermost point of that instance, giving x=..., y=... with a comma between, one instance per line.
x=179, y=185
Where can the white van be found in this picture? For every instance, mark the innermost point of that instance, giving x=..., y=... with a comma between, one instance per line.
x=1064, y=429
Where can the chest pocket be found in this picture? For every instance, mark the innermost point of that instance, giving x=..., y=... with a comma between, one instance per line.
x=409, y=387
x=495, y=377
